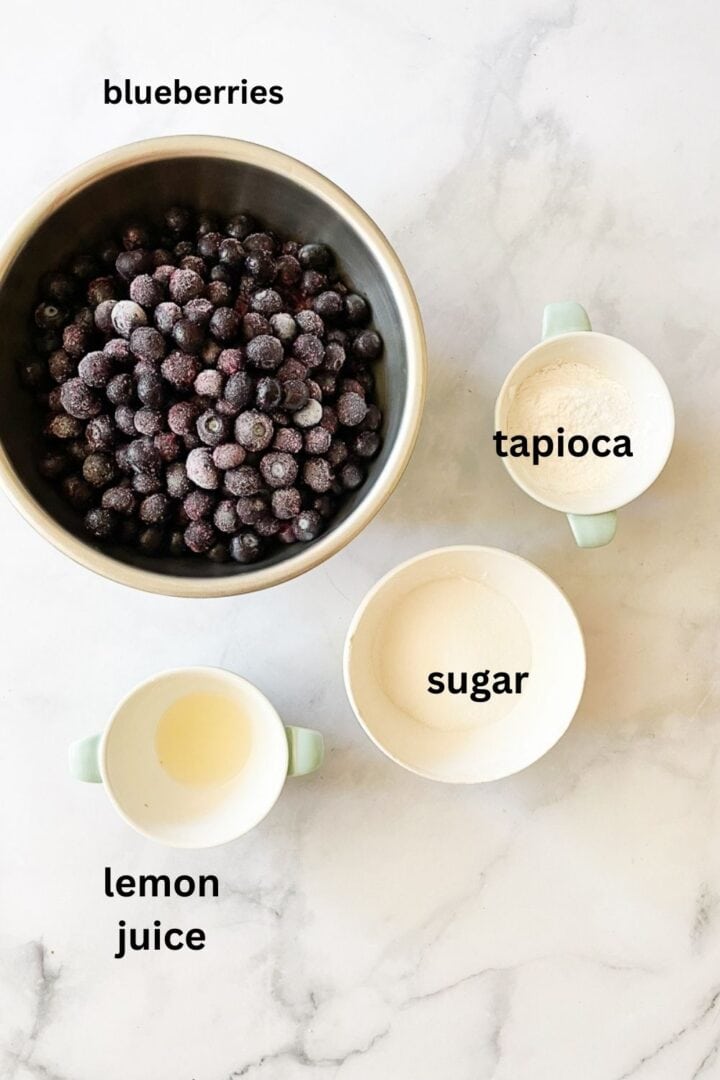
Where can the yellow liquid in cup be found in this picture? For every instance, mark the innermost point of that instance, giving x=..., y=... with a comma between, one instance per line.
x=203, y=739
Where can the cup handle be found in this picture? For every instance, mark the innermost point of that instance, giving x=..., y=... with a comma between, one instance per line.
x=306, y=750
x=593, y=530
x=83, y=759
x=564, y=318
x=589, y=530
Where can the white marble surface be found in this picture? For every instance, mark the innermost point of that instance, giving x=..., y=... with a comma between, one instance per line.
x=560, y=925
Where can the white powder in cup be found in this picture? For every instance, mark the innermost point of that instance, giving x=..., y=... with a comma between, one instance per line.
x=583, y=401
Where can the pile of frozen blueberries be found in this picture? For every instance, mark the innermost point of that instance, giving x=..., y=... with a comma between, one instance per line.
x=208, y=387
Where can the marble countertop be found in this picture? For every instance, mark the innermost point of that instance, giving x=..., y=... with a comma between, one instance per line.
x=563, y=924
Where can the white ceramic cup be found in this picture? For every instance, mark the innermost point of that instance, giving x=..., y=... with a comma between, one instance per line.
x=124, y=759
x=567, y=336
x=486, y=751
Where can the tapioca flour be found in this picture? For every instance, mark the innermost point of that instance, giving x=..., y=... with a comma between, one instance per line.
x=580, y=401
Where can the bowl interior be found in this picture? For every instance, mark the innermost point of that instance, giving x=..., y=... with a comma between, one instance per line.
x=472, y=610
x=144, y=190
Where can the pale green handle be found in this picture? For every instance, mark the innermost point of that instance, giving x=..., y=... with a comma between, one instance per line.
x=307, y=750
x=589, y=530
x=83, y=759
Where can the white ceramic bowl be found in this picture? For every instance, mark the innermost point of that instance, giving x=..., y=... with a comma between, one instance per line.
x=488, y=750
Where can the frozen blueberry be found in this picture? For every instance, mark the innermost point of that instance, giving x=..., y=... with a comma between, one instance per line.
x=135, y=236
x=317, y=440
x=245, y=547
x=201, y=469
x=129, y=264
x=267, y=302
x=239, y=389
x=77, y=491
x=78, y=399
x=60, y=288
x=149, y=389
x=228, y=456
x=328, y=305
x=181, y=417
x=351, y=409
x=278, y=469
x=338, y=453
x=335, y=357
x=120, y=389
x=225, y=517
x=288, y=439
x=366, y=444
x=185, y=285
x=60, y=366
x=231, y=252
x=286, y=503
x=178, y=220
x=103, y=316
x=100, y=433
x=230, y=361
x=145, y=483
x=309, y=415
x=309, y=322
x=199, y=536
x=100, y=522
x=373, y=418
x=315, y=256
x=210, y=383
x=125, y=419
x=288, y=271
x=219, y=294
x=147, y=344
x=225, y=324
x=168, y=445
x=149, y=421
x=356, y=309
x=177, y=481
x=127, y=316
x=155, y=509
x=261, y=266
x=212, y=428
x=307, y=525
x=188, y=336
x=253, y=430
x=240, y=226
x=146, y=291
x=208, y=245
x=98, y=469
x=150, y=540
x=265, y=352
x=75, y=341
x=245, y=480
x=367, y=345
x=143, y=456
x=309, y=350
x=118, y=349
x=318, y=475
x=254, y=324
x=351, y=476
x=121, y=500
x=198, y=311
x=268, y=393
x=250, y=508
x=166, y=315
x=313, y=282
x=267, y=525
x=180, y=370
x=283, y=327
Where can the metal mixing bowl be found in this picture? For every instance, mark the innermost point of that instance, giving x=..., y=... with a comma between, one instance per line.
x=226, y=176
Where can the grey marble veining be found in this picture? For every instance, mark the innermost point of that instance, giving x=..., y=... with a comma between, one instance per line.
x=558, y=925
